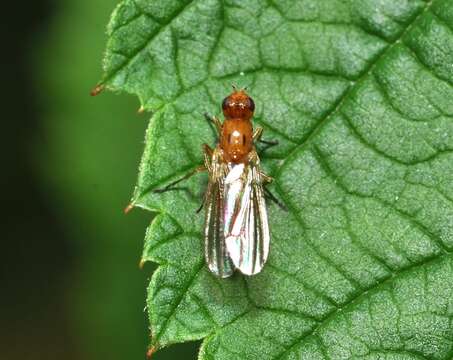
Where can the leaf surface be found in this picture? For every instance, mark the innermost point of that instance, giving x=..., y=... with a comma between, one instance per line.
x=359, y=96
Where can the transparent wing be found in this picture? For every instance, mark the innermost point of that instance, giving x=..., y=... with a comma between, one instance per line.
x=216, y=255
x=246, y=226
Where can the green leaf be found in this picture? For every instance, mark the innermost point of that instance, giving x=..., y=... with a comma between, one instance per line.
x=359, y=95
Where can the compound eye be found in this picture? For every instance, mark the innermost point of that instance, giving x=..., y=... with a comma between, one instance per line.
x=226, y=103
x=251, y=104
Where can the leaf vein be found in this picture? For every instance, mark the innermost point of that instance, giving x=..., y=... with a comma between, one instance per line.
x=354, y=86
x=149, y=40
x=178, y=301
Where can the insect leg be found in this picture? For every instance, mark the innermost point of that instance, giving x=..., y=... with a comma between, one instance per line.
x=257, y=134
x=185, y=177
x=257, y=137
x=203, y=202
x=269, y=143
x=266, y=178
x=208, y=152
x=273, y=198
x=214, y=120
x=200, y=207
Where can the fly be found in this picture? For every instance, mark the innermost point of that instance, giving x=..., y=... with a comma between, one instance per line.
x=236, y=231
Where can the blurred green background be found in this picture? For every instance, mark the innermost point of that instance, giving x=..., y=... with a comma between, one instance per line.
x=72, y=288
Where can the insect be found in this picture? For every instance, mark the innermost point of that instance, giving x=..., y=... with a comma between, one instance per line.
x=236, y=231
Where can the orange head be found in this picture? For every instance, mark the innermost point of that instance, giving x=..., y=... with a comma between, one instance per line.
x=238, y=105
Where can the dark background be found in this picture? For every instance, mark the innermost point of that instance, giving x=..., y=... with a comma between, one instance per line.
x=70, y=285
x=37, y=253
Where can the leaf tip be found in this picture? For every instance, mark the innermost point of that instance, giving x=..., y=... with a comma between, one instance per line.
x=97, y=90
x=150, y=352
x=141, y=110
x=128, y=208
x=141, y=264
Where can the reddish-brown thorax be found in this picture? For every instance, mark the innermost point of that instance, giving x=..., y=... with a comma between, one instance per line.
x=236, y=138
